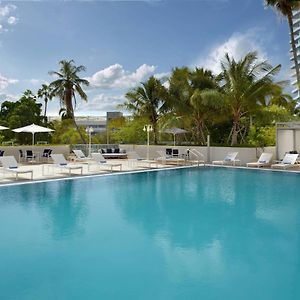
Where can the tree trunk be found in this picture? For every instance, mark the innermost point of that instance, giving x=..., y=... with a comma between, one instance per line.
x=76, y=126
x=293, y=43
x=70, y=111
x=154, y=125
x=200, y=132
x=78, y=130
x=234, y=136
x=45, y=110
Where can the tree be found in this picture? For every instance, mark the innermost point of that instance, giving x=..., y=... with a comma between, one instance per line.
x=67, y=86
x=148, y=100
x=65, y=133
x=21, y=113
x=206, y=101
x=46, y=93
x=194, y=95
x=285, y=8
x=245, y=85
x=129, y=130
x=205, y=105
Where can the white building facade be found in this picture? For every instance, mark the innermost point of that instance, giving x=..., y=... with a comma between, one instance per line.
x=296, y=29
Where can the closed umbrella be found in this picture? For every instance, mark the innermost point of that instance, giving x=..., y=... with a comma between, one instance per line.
x=33, y=128
x=175, y=131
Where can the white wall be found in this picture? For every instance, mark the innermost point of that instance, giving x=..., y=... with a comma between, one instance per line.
x=216, y=153
x=285, y=142
x=14, y=150
x=297, y=140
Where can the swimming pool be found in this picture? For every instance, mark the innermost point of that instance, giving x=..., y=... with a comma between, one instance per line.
x=198, y=233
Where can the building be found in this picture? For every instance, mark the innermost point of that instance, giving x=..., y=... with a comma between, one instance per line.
x=296, y=29
x=99, y=124
x=111, y=115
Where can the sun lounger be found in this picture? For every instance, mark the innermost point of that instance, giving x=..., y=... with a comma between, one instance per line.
x=133, y=157
x=166, y=159
x=101, y=161
x=288, y=161
x=10, y=164
x=80, y=156
x=263, y=161
x=195, y=157
x=60, y=162
x=229, y=159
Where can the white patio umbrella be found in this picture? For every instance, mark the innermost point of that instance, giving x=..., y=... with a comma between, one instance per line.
x=3, y=127
x=175, y=131
x=33, y=128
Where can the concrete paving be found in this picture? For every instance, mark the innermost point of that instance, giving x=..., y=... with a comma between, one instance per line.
x=48, y=171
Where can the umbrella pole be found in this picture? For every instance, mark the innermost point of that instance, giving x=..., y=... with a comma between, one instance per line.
x=174, y=139
x=32, y=138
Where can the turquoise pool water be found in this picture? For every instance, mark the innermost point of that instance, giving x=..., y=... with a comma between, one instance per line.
x=181, y=234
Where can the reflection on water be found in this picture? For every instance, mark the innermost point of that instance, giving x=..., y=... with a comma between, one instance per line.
x=184, y=234
x=62, y=205
x=206, y=224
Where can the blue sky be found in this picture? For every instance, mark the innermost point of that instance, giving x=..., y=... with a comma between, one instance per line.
x=124, y=42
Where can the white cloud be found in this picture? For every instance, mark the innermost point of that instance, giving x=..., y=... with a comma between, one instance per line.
x=162, y=76
x=237, y=46
x=12, y=20
x=102, y=103
x=8, y=97
x=6, y=16
x=115, y=76
x=6, y=10
x=5, y=82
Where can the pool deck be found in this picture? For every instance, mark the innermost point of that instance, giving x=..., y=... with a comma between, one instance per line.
x=43, y=172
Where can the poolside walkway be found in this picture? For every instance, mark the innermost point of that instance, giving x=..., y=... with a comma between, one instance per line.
x=47, y=172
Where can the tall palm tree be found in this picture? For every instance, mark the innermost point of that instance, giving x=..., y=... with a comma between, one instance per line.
x=67, y=86
x=194, y=96
x=285, y=8
x=245, y=85
x=205, y=105
x=46, y=93
x=148, y=100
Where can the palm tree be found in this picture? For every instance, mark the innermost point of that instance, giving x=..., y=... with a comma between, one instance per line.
x=285, y=8
x=67, y=86
x=282, y=99
x=246, y=84
x=45, y=92
x=148, y=100
x=205, y=105
x=194, y=96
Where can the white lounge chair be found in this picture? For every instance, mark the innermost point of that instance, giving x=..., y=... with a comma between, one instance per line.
x=60, y=162
x=196, y=156
x=229, y=159
x=166, y=159
x=133, y=157
x=263, y=161
x=288, y=161
x=10, y=165
x=101, y=161
x=80, y=156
